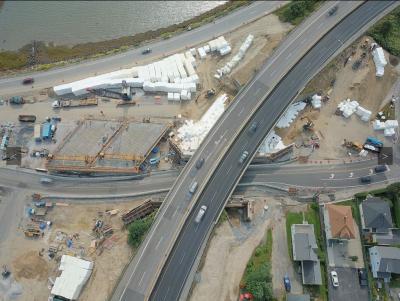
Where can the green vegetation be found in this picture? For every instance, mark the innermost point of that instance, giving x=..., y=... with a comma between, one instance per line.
x=223, y=217
x=387, y=32
x=138, y=229
x=312, y=217
x=49, y=54
x=296, y=11
x=257, y=276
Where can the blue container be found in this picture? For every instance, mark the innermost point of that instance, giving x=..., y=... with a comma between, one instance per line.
x=46, y=131
x=155, y=150
x=42, y=226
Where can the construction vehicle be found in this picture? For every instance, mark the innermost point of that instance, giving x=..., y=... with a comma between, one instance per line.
x=354, y=145
x=309, y=125
x=373, y=141
x=146, y=51
x=17, y=100
x=210, y=93
x=69, y=103
x=32, y=231
x=27, y=118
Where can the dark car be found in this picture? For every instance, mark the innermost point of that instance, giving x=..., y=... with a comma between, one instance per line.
x=380, y=168
x=253, y=127
x=199, y=163
x=365, y=179
x=146, y=51
x=333, y=10
x=28, y=81
x=362, y=277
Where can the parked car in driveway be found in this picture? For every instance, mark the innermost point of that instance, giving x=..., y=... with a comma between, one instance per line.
x=335, y=279
x=286, y=283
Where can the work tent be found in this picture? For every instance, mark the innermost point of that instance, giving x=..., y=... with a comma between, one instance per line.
x=75, y=273
x=380, y=61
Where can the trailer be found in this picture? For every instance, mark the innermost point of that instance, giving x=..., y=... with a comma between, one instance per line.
x=71, y=103
x=375, y=142
x=37, y=133
x=27, y=118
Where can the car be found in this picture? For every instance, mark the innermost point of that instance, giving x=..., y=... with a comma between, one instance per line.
x=200, y=214
x=200, y=163
x=28, y=81
x=193, y=188
x=380, y=168
x=366, y=179
x=146, y=51
x=333, y=10
x=253, y=127
x=335, y=279
x=243, y=157
x=286, y=283
x=46, y=180
x=362, y=277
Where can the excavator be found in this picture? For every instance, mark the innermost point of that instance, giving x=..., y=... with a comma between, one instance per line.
x=353, y=144
x=309, y=125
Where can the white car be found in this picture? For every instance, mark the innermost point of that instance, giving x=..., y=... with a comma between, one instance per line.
x=335, y=279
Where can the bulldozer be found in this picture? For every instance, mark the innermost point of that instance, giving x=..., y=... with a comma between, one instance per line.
x=353, y=145
x=309, y=125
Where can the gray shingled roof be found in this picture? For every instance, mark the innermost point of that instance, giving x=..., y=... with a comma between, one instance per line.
x=377, y=214
x=311, y=271
x=304, y=246
x=390, y=260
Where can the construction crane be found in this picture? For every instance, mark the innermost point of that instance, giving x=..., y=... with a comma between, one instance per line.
x=309, y=125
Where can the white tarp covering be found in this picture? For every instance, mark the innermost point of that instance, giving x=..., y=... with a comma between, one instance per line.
x=201, y=52
x=364, y=114
x=348, y=107
x=380, y=61
x=316, y=101
x=271, y=144
x=75, y=273
x=191, y=133
x=290, y=114
x=388, y=127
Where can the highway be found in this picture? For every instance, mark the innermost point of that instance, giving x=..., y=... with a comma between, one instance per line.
x=13, y=86
x=222, y=182
x=140, y=276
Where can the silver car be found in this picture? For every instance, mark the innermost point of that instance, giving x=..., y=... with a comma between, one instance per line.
x=200, y=214
x=243, y=157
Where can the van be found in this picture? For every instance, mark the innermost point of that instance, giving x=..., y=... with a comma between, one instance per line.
x=200, y=214
x=380, y=168
x=193, y=188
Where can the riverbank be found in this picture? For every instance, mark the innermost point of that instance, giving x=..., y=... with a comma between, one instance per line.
x=50, y=55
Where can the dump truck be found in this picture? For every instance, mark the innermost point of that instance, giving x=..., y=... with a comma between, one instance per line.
x=71, y=103
x=373, y=141
x=27, y=118
x=32, y=231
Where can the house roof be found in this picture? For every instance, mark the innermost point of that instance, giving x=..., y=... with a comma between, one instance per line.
x=341, y=221
x=376, y=213
x=311, y=272
x=304, y=243
x=389, y=259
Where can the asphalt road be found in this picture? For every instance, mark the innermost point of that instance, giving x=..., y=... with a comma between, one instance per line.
x=12, y=86
x=186, y=249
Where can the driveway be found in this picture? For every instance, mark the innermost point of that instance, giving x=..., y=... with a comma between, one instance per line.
x=349, y=287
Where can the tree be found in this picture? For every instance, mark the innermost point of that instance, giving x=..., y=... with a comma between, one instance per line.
x=386, y=29
x=138, y=229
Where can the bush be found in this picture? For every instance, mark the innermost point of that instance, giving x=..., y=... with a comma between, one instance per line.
x=296, y=11
x=138, y=229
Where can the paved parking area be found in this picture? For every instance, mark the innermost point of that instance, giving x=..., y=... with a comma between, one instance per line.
x=349, y=287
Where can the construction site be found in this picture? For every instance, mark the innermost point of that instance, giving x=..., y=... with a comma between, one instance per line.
x=107, y=146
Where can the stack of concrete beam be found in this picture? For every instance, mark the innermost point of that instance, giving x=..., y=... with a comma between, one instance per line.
x=348, y=107
x=236, y=59
x=363, y=113
x=316, y=101
x=202, y=53
x=389, y=127
x=290, y=115
x=379, y=60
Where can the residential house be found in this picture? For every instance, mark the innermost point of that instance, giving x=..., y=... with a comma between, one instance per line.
x=375, y=215
x=339, y=223
x=384, y=262
x=305, y=248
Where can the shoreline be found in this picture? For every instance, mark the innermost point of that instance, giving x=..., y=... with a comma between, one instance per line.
x=51, y=56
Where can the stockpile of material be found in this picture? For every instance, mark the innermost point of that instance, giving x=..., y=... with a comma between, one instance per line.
x=389, y=127
x=290, y=114
x=271, y=144
x=316, y=101
x=236, y=59
x=363, y=113
x=379, y=60
x=191, y=134
x=348, y=107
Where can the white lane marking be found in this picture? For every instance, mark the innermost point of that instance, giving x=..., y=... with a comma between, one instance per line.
x=320, y=25
x=387, y=167
x=182, y=258
x=158, y=244
x=241, y=111
x=141, y=279
x=224, y=133
x=351, y=175
x=229, y=170
x=371, y=171
x=289, y=55
x=175, y=212
x=332, y=176
x=166, y=294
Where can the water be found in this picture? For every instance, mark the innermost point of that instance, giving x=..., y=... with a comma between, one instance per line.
x=73, y=22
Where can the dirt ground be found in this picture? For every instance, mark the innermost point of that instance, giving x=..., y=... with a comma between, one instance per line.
x=361, y=85
x=31, y=271
x=230, y=249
